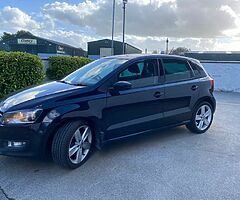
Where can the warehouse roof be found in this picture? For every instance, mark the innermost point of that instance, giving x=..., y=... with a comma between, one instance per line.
x=29, y=35
x=115, y=41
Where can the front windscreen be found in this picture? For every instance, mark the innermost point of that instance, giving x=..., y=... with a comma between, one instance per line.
x=94, y=72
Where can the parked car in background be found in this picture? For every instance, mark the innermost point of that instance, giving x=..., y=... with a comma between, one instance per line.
x=108, y=99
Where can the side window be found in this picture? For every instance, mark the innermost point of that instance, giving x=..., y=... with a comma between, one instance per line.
x=176, y=70
x=198, y=71
x=140, y=74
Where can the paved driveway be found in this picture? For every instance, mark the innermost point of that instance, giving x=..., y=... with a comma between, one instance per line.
x=171, y=164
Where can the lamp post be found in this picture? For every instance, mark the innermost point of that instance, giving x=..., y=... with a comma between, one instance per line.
x=167, y=42
x=113, y=22
x=124, y=14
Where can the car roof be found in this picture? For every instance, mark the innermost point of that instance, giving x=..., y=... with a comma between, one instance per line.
x=145, y=56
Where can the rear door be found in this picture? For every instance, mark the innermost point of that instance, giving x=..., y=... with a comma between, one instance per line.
x=181, y=90
x=139, y=108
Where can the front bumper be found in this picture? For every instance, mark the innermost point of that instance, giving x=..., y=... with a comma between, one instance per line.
x=20, y=133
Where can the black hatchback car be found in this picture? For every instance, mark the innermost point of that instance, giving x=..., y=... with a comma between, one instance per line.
x=108, y=99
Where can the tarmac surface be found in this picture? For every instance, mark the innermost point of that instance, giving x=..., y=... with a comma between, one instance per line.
x=169, y=164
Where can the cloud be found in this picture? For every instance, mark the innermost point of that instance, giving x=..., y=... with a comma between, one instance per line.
x=13, y=19
x=236, y=16
x=159, y=43
x=172, y=18
x=198, y=25
x=73, y=38
x=71, y=13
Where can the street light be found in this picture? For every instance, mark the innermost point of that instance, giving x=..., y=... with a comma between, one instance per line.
x=167, y=42
x=113, y=21
x=124, y=13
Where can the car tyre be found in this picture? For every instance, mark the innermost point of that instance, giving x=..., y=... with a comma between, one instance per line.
x=201, y=119
x=72, y=144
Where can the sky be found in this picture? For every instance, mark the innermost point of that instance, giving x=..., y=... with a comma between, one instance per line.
x=200, y=25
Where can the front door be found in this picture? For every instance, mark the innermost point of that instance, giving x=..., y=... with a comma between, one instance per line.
x=139, y=108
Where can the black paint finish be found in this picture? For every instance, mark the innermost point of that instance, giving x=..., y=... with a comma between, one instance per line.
x=112, y=114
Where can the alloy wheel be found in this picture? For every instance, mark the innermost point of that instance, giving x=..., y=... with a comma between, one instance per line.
x=203, y=117
x=80, y=144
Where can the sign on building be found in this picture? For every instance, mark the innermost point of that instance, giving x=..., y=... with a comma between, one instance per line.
x=105, y=52
x=60, y=50
x=27, y=41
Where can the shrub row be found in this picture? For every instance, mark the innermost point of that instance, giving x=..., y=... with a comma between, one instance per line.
x=61, y=66
x=19, y=70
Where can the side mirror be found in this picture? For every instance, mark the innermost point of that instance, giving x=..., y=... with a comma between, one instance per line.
x=122, y=85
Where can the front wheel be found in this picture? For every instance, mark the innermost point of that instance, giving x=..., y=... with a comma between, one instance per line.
x=72, y=144
x=201, y=119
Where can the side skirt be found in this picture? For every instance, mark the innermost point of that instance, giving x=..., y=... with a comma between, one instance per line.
x=104, y=142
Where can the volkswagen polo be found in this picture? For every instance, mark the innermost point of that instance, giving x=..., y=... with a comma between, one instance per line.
x=108, y=99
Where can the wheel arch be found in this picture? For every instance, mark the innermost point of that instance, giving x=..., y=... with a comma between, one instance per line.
x=51, y=134
x=208, y=99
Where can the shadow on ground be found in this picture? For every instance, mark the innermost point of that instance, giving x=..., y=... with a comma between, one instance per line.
x=133, y=143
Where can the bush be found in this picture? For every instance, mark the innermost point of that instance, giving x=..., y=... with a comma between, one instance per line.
x=19, y=70
x=61, y=66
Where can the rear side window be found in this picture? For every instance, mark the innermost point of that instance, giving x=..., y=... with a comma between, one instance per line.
x=198, y=71
x=176, y=70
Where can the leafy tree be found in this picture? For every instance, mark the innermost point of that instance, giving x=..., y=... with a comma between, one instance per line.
x=22, y=32
x=179, y=51
x=8, y=36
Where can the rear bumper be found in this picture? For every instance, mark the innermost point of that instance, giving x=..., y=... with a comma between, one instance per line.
x=25, y=133
x=214, y=103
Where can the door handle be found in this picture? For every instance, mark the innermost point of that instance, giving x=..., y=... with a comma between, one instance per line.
x=194, y=87
x=157, y=94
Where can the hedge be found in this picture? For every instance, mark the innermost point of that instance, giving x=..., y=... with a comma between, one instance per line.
x=61, y=66
x=19, y=70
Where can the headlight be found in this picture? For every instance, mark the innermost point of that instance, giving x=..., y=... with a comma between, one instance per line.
x=21, y=117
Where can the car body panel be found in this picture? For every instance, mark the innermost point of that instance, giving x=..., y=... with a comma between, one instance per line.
x=179, y=101
x=132, y=111
x=41, y=92
x=112, y=115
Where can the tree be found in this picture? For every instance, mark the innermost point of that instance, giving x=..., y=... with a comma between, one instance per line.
x=179, y=51
x=8, y=36
x=155, y=52
x=22, y=32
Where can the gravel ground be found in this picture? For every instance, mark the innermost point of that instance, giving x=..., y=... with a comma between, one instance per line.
x=170, y=164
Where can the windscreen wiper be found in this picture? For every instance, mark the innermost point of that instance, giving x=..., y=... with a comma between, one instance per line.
x=62, y=81
x=75, y=84
x=78, y=84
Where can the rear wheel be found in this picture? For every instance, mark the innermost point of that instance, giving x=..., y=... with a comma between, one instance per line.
x=72, y=144
x=201, y=119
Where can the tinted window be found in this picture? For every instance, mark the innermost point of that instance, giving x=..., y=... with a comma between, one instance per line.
x=94, y=72
x=141, y=74
x=198, y=71
x=176, y=70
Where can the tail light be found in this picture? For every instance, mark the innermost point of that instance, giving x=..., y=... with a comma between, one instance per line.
x=212, y=85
